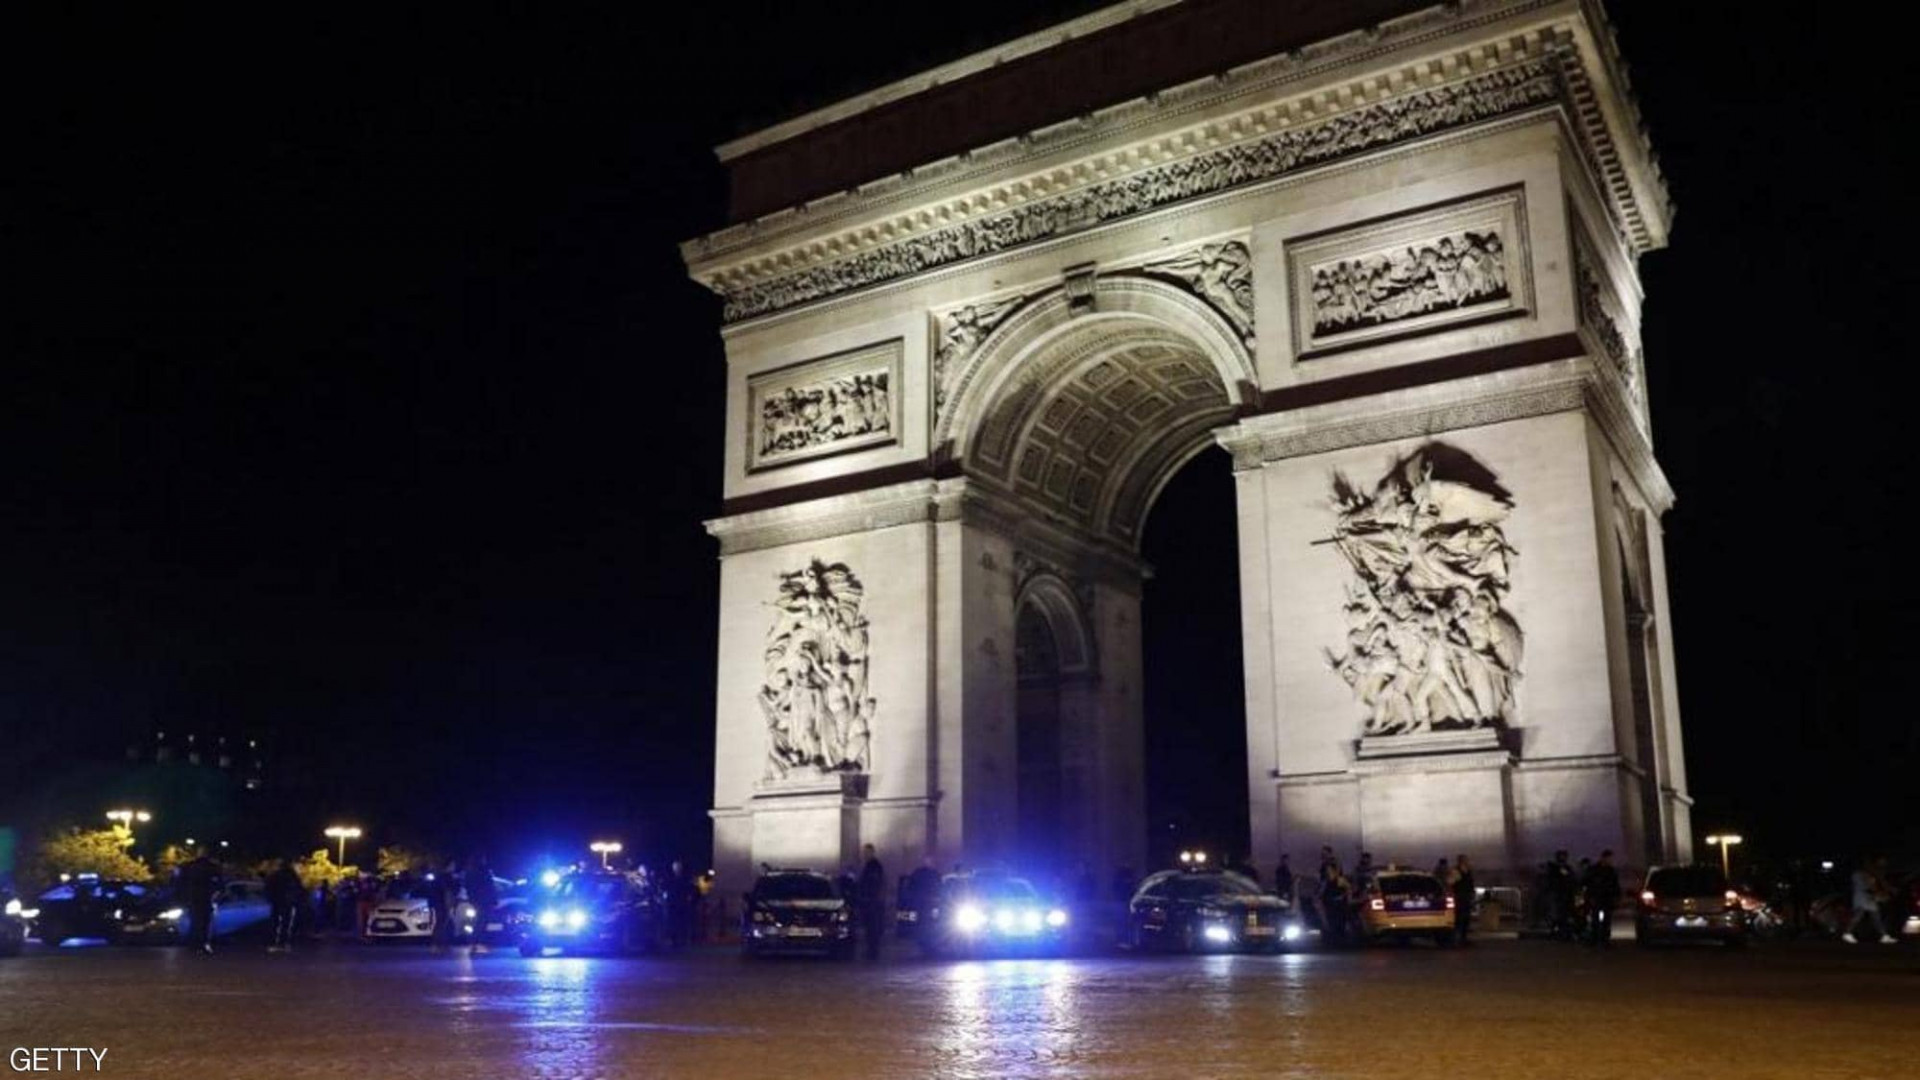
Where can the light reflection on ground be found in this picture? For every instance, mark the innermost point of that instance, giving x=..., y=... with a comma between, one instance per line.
x=1503, y=1008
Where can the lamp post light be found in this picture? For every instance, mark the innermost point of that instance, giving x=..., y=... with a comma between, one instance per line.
x=1725, y=841
x=126, y=818
x=604, y=848
x=343, y=833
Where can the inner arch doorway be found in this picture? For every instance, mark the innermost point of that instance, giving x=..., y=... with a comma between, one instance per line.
x=1067, y=422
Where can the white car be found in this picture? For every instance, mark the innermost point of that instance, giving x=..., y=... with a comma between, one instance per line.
x=404, y=914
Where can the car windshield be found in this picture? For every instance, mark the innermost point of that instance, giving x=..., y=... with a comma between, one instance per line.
x=794, y=887
x=998, y=888
x=1409, y=885
x=595, y=888
x=1202, y=886
x=1687, y=881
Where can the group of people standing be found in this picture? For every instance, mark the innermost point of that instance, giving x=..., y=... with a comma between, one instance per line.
x=1333, y=898
x=1579, y=901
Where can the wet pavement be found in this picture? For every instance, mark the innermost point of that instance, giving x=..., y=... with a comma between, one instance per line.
x=1501, y=1009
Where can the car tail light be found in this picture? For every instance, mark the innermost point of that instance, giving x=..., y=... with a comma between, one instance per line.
x=1377, y=904
x=1449, y=903
x=1648, y=898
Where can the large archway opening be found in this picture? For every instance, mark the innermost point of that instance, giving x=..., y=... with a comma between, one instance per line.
x=1195, y=692
x=1071, y=422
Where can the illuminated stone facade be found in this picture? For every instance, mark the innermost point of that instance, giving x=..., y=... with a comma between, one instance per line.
x=1404, y=255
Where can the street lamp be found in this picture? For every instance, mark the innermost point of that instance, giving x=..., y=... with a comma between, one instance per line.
x=343, y=833
x=126, y=818
x=1725, y=841
x=604, y=848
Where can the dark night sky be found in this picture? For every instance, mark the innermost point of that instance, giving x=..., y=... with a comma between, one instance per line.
x=359, y=399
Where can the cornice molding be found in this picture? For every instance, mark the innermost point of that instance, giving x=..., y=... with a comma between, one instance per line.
x=1261, y=144
x=1312, y=129
x=1104, y=126
x=835, y=515
x=1560, y=386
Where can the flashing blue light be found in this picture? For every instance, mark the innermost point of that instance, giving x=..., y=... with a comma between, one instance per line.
x=551, y=879
x=548, y=919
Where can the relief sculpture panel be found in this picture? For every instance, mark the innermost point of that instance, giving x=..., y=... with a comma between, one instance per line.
x=814, y=696
x=826, y=406
x=1430, y=643
x=1412, y=274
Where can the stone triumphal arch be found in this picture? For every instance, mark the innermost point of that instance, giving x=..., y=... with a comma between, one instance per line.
x=1385, y=254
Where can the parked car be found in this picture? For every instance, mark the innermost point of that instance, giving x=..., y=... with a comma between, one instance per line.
x=1403, y=903
x=505, y=925
x=796, y=911
x=597, y=911
x=83, y=907
x=1202, y=910
x=1682, y=902
x=13, y=924
x=404, y=913
x=991, y=913
x=160, y=917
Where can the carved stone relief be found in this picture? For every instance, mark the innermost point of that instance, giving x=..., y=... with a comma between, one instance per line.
x=814, y=697
x=1221, y=274
x=1600, y=312
x=1422, y=112
x=824, y=406
x=960, y=332
x=1422, y=271
x=1430, y=644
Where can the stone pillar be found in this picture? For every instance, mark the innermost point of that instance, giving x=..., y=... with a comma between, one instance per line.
x=1553, y=772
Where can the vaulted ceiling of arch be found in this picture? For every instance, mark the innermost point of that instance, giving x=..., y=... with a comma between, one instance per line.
x=1085, y=433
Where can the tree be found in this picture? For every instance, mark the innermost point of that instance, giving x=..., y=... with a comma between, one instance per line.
x=319, y=869
x=171, y=858
x=90, y=851
x=400, y=860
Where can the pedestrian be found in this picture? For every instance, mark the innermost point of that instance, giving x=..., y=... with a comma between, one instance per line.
x=1283, y=879
x=484, y=895
x=677, y=889
x=1463, y=894
x=322, y=909
x=1869, y=891
x=200, y=882
x=284, y=895
x=1363, y=872
x=440, y=893
x=1334, y=896
x=1560, y=884
x=1602, y=887
x=872, y=902
x=366, y=895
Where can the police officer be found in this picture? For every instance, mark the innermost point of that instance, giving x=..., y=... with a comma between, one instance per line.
x=200, y=881
x=872, y=901
x=1603, y=892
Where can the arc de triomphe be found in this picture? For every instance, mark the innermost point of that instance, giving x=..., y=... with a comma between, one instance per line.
x=1385, y=254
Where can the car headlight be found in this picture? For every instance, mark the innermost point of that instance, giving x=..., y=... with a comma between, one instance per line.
x=969, y=918
x=1033, y=919
x=843, y=915
x=548, y=919
x=576, y=918
x=13, y=907
x=1003, y=919
x=1056, y=918
x=174, y=914
x=1218, y=934
x=1291, y=933
x=762, y=916
x=468, y=911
